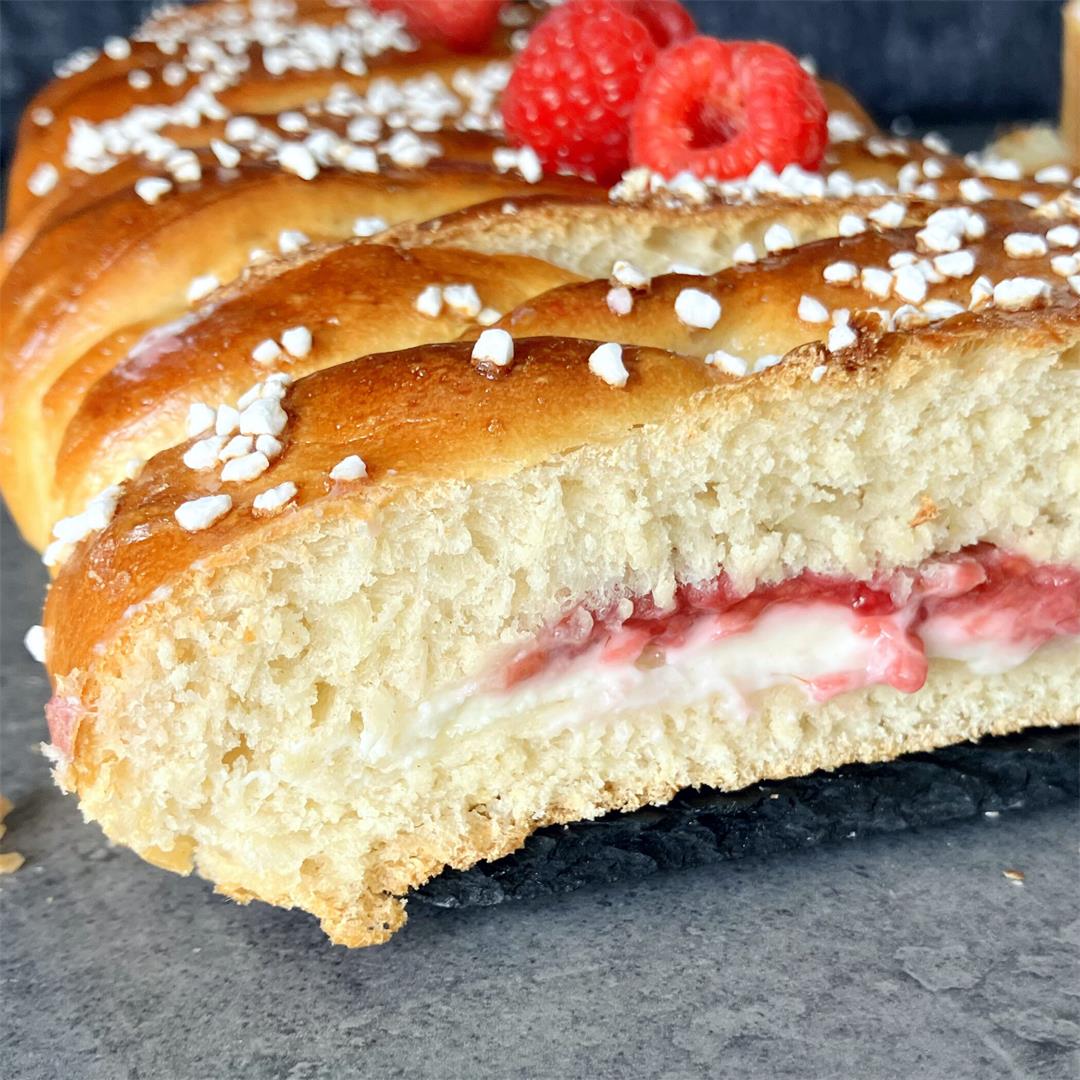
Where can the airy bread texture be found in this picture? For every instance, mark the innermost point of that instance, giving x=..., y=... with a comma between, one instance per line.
x=225, y=690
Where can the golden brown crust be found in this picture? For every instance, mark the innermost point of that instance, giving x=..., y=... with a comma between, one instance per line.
x=760, y=302
x=214, y=222
x=355, y=299
x=840, y=99
x=102, y=92
x=122, y=261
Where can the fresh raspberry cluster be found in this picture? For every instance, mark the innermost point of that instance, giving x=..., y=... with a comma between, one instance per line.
x=603, y=84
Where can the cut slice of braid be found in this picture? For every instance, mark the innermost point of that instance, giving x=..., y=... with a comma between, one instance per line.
x=401, y=499
x=282, y=700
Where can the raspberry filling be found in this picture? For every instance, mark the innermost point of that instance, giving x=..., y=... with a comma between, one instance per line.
x=64, y=715
x=984, y=606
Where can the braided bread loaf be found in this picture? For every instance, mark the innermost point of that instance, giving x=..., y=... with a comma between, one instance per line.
x=531, y=500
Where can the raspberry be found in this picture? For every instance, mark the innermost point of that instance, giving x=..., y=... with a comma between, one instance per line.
x=461, y=25
x=718, y=108
x=574, y=83
x=666, y=20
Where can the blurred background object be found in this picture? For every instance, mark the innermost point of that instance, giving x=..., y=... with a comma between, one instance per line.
x=1070, y=91
x=937, y=62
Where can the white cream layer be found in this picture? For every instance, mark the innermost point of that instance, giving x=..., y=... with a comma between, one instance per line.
x=789, y=644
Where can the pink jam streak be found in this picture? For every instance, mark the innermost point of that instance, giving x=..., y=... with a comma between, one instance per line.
x=63, y=715
x=981, y=595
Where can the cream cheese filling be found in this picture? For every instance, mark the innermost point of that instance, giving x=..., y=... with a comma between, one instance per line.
x=824, y=648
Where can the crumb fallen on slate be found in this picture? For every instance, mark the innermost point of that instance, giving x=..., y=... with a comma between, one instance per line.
x=10, y=861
